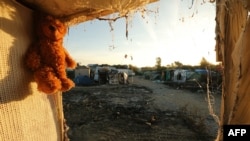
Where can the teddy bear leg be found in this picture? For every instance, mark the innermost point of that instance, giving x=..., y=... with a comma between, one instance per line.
x=67, y=84
x=47, y=81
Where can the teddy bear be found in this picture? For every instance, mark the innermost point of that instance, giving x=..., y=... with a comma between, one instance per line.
x=47, y=58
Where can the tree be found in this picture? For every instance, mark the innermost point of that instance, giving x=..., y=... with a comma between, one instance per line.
x=204, y=63
x=134, y=69
x=178, y=64
x=78, y=64
x=158, y=63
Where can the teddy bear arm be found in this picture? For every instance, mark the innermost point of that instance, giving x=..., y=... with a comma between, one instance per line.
x=70, y=62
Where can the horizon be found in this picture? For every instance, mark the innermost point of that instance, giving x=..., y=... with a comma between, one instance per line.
x=169, y=65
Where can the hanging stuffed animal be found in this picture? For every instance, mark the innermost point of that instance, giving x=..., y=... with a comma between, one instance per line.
x=48, y=59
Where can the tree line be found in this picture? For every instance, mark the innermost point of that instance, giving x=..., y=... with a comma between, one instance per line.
x=204, y=64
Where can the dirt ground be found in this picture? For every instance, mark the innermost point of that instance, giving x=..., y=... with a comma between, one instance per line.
x=140, y=111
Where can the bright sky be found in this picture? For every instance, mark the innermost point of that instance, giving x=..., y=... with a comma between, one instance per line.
x=177, y=32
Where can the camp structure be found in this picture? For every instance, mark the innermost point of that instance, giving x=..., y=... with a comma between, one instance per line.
x=177, y=77
x=110, y=75
x=82, y=76
x=82, y=71
x=101, y=74
x=83, y=80
x=169, y=75
x=201, y=79
x=25, y=113
x=180, y=76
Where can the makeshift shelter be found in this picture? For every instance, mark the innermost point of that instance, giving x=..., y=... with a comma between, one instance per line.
x=101, y=74
x=82, y=71
x=113, y=77
x=27, y=114
x=169, y=75
x=199, y=79
x=83, y=80
x=180, y=76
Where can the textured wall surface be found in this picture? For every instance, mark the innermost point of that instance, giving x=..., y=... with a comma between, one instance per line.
x=25, y=113
x=233, y=33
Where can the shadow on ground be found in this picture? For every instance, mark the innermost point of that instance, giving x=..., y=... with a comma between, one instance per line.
x=124, y=113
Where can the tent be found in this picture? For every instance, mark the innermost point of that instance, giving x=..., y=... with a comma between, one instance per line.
x=198, y=79
x=83, y=80
x=180, y=76
x=177, y=75
x=169, y=74
x=27, y=114
x=81, y=71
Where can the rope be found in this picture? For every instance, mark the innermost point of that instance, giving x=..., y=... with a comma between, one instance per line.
x=211, y=101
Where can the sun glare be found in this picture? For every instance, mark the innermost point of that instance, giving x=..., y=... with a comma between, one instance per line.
x=174, y=33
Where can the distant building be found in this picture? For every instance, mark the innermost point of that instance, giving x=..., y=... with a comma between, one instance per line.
x=82, y=71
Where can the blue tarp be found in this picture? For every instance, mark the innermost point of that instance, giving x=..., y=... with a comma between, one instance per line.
x=83, y=81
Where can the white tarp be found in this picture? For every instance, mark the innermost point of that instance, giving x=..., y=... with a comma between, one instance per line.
x=179, y=76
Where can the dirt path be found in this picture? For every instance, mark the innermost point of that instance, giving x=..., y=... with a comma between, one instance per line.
x=169, y=98
x=140, y=111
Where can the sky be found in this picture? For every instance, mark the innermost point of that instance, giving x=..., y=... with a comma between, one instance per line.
x=174, y=30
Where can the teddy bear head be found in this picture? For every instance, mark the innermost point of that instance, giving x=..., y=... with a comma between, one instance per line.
x=51, y=28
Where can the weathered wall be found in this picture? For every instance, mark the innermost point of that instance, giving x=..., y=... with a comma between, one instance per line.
x=25, y=114
x=233, y=33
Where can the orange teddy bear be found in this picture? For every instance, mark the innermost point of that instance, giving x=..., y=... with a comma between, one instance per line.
x=48, y=59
